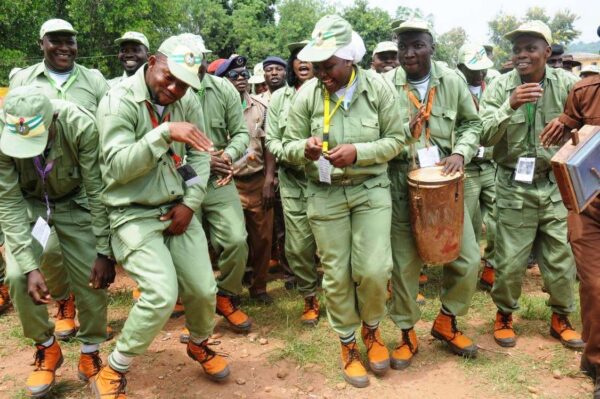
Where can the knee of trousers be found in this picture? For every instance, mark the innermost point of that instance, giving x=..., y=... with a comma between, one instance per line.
x=17, y=282
x=160, y=297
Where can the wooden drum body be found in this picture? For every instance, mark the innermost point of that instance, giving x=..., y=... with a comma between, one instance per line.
x=436, y=213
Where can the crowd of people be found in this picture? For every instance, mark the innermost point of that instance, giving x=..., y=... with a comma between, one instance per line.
x=180, y=168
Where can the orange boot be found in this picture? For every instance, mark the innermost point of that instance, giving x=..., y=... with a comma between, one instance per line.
x=423, y=279
x=108, y=384
x=561, y=329
x=215, y=366
x=47, y=361
x=488, y=275
x=89, y=365
x=310, y=316
x=444, y=328
x=184, y=336
x=237, y=319
x=403, y=354
x=377, y=352
x=353, y=370
x=4, y=298
x=65, y=327
x=504, y=335
x=420, y=299
x=136, y=294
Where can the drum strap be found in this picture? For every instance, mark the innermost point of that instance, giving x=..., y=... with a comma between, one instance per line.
x=327, y=116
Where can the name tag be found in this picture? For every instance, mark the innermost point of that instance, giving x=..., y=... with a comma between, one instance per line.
x=324, y=170
x=189, y=175
x=525, y=170
x=481, y=152
x=428, y=156
x=41, y=232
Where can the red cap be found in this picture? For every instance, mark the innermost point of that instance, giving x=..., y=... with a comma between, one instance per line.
x=213, y=66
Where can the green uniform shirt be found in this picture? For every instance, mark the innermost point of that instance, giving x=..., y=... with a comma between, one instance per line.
x=84, y=87
x=136, y=168
x=509, y=130
x=370, y=123
x=454, y=122
x=75, y=175
x=223, y=117
x=115, y=81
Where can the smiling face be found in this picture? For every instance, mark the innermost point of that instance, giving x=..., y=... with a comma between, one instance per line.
x=132, y=56
x=274, y=76
x=529, y=56
x=414, y=53
x=303, y=70
x=165, y=88
x=386, y=61
x=334, y=73
x=60, y=51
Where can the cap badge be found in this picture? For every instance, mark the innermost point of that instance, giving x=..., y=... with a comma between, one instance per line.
x=189, y=59
x=22, y=127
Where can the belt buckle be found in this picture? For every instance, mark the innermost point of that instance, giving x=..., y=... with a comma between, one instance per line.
x=345, y=182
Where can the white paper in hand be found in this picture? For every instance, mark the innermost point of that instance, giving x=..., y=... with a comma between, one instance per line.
x=324, y=170
x=41, y=232
x=525, y=170
x=428, y=156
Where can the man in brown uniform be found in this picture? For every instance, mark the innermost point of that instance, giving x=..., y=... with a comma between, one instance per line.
x=254, y=178
x=583, y=108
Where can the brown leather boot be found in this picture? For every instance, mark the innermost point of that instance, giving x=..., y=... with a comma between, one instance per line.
x=377, y=352
x=215, y=366
x=47, y=361
x=237, y=319
x=64, y=326
x=406, y=350
x=353, y=370
x=108, y=384
x=587, y=368
x=4, y=298
x=310, y=316
x=561, y=329
x=488, y=275
x=90, y=364
x=444, y=328
x=504, y=335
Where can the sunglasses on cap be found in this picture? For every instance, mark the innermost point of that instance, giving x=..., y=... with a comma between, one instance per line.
x=235, y=74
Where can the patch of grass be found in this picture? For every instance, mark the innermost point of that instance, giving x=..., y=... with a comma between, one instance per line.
x=120, y=299
x=534, y=308
x=504, y=374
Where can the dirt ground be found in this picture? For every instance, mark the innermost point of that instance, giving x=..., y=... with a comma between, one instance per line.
x=276, y=361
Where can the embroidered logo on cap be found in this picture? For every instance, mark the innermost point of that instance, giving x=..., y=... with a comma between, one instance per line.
x=26, y=127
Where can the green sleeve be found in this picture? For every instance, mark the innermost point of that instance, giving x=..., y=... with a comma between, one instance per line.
x=236, y=125
x=274, y=134
x=126, y=158
x=468, y=130
x=495, y=113
x=297, y=131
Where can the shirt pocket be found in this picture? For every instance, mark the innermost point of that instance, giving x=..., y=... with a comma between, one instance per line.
x=316, y=128
x=442, y=122
x=516, y=132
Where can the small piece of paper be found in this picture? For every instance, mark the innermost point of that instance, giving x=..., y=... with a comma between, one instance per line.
x=41, y=232
x=324, y=170
x=428, y=156
x=481, y=152
x=525, y=170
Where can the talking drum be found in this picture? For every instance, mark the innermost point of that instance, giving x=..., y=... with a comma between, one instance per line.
x=436, y=213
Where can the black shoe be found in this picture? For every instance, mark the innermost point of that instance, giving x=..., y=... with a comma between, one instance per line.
x=597, y=386
x=587, y=368
x=263, y=298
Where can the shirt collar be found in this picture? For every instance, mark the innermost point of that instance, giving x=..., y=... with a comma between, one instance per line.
x=139, y=87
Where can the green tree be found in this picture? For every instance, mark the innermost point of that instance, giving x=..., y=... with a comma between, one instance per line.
x=448, y=44
x=297, y=18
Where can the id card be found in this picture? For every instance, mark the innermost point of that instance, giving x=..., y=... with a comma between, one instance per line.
x=428, y=156
x=324, y=170
x=41, y=231
x=189, y=175
x=481, y=152
x=525, y=170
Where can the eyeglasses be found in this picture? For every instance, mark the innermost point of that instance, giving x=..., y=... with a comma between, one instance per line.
x=233, y=75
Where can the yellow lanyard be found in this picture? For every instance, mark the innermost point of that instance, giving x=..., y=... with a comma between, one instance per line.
x=327, y=116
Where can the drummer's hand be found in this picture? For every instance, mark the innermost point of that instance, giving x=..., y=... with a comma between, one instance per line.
x=553, y=134
x=452, y=164
x=342, y=155
x=313, y=148
x=416, y=123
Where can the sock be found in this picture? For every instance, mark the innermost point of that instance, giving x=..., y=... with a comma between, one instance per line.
x=48, y=343
x=89, y=348
x=446, y=311
x=348, y=339
x=371, y=326
x=119, y=361
x=198, y=341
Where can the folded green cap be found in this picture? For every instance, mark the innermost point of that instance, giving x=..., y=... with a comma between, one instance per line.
x=385, y=47
x=135, y=37
x=183, y=60
x=534, y=28
x=196, y=42
x=331, y=33
x=27, y=117
x=56, y=25
x=413, y=25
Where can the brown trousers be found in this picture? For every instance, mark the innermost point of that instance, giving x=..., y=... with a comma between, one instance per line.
x=259, y=225
x=584, y=235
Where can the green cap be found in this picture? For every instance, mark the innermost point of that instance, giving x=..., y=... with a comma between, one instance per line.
x=331, y=33
x=413, y=25
x=183, y=60
x=196, y=42
x=27, y=117
x=396, y=23
x=135, y=37
x=258, y=76
x=474, y=57
x=385, y=47
x=56, y=25
x=297, y=45
x=534, y=28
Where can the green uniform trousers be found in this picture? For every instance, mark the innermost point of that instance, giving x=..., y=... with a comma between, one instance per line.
x=351, y=225
x=163, y=267
x=72, y=225
x=2, y=263
x=459, y=278
x=480, y=198
x=223, y=212
x=531, y=216
x=300, y=245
